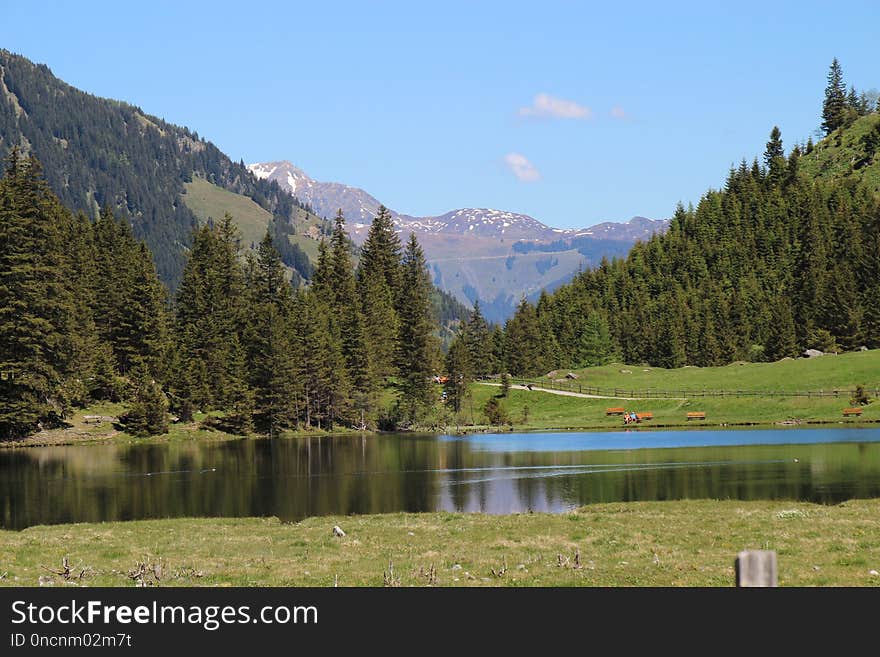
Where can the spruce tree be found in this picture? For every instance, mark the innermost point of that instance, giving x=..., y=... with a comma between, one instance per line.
x=774, y=157
x=381, y=252
x=415, y=354
x=378, y=284
x=267, y=339
x=834, y=106
x=596, y=345
x=209, y=320
x=130, y=308
x=348, y=324
x=459, y=370
x=323, y=379
x=782, y=340
x=36, y=304
x=148, y=415
x=479, y=343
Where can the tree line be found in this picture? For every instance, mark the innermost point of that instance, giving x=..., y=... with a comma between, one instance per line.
x=84, y=317
x=98, y=153
x=772, y=264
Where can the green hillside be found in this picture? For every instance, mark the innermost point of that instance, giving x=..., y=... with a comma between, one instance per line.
x=844, y=155
x=208, y=201
x=784, y=257
x=843, y=371
x=96, y=152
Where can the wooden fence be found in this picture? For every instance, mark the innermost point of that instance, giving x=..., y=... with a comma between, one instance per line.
x=653, y=393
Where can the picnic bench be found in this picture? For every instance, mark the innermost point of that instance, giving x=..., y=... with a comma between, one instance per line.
x=614, y=411
x=851, y=411
x=644, y=416
x=696, y=415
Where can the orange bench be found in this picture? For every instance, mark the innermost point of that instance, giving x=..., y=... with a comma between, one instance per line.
x=697, y=415
x=851, y=411
x=614, y=411
x=645, y=416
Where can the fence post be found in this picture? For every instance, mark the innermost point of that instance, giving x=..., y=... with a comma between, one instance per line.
x=756, y=568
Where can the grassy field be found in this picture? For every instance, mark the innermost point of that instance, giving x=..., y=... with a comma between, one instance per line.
x=687, y=543
x=208, y=200
x=844, y=158
x=543, y=410
x=538, y=410
x=549, y=411
x=813, y=374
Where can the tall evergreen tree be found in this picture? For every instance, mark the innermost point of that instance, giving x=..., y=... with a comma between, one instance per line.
x=835, y=105
x=210, y=363
x=378, y=283
x=782, y=339
x=130, y=306
x=459, y=370
x=478, y=340
x=381, y=252
x=36, y=304
x=324, y=387
x=774, y=157
x=596, y=345
x=415, y=356
x=267, y=339
x=349, y=324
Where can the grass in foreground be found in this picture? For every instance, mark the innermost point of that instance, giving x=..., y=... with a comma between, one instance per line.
x=686, y=543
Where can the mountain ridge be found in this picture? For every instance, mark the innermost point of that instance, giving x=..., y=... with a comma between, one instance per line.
x=488, y=255
x=359, y=207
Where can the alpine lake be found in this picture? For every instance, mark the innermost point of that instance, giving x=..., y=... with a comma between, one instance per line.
x=295, y=478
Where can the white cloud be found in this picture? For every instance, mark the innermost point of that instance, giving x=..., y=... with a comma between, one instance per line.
x=524, y=170
x=617, y=112
x=556, y=108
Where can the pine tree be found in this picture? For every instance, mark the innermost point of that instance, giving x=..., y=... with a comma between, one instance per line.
x=130, y=307
x=479, y=343
x=596, y=345
x=148, y=415
x=459, y=370
x=499, y=359
x=267, y=339
x=835, y=104
x=415, y=351
x=210, y=360
x=348, y=324
x=381, y=325
x=774, y=157
x=324, y=386
x=36, y=304
x=378, y=283
x=89, y=373
x=381, y=252
x=782, y=341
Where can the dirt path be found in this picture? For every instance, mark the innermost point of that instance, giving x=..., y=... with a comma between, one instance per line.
x=567, y=393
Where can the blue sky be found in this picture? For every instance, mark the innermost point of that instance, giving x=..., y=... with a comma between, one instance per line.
x=574, y=113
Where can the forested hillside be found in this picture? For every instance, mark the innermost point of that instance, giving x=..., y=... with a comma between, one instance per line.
x=84, y=317
x=784, y=257
x=97, y=152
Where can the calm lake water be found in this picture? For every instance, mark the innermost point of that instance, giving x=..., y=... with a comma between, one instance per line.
x=493, y=473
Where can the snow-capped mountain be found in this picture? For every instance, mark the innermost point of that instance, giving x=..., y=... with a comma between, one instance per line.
x=324, y=197
x=475, y=253
x=359, y=208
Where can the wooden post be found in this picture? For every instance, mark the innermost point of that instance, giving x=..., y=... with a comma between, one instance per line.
x=756, y=568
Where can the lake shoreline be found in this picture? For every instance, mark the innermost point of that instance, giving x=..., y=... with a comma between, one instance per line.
x=193, y=432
